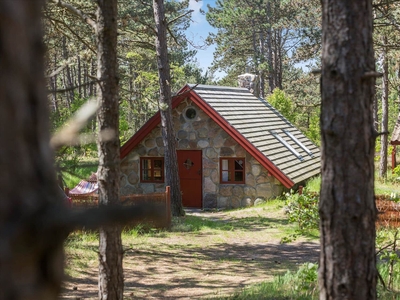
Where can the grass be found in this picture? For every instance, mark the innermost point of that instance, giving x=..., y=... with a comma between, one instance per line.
x=74, y=171
x=193, y=233
x=300, y=285
x=387, y=186
x=81, y=248
x=215, y=245
x=382, y=186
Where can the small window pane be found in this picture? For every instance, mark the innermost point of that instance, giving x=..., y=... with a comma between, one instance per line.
x=239, y=164
x=225, y=164
x=191, y=113
x=238, y=176
x=146, y=175
x=157, y=175
x=225, y=176
x=157, y=164
x=146, y=164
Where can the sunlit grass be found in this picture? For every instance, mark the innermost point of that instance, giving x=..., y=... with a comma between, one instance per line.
x=74, y=172
x=300, y=284
x=382, y=186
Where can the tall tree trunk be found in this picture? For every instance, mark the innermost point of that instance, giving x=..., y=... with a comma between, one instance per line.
x=92, y=90
x=385, y=112
x=111, y=280
x=375, y=113
x=347, y=208
x=31, y=251
x=85, y=80
x=53, y=84
x=269, y=49
x=279, y=67
x=262, y=60
x=68, y=83
x=171, y=165
x=79, y=77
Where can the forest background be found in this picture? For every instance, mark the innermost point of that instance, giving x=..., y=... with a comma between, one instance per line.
x=279, y=40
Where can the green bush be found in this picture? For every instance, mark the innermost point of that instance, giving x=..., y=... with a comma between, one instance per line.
x=388, y=259
x=303, y=209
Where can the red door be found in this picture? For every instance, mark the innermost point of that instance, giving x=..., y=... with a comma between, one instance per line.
x=190, y=174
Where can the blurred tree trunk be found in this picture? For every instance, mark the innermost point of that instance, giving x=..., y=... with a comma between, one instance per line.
x=347, y=267
x=31, y=251
x=111, y=280
x=171, y=166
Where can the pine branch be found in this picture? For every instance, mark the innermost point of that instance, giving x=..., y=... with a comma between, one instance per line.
x=179, y=17
x=73, y=32
x=77, y=12
x=72, y=87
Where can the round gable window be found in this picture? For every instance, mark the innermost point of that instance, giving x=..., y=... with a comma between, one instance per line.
x=190, y=113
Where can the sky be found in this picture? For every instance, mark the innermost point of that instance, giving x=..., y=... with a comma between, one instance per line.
x=199, y=30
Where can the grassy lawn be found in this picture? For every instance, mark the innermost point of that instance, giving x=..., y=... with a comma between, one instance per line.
x=236, y=254
x=74, y=171
x=205, y=254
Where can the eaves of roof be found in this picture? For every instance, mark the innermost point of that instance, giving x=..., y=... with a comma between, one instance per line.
x=188, y=92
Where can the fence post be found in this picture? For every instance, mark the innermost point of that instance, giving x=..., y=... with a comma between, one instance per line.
x=300, y=190
x=168, y=204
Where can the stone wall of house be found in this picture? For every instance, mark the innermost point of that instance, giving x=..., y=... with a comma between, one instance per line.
x=202, y=133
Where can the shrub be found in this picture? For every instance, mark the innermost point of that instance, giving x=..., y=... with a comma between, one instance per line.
x=303, y=209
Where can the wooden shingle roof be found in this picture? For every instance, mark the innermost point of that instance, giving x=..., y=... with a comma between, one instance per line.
x=252, y=122
x=266, y=129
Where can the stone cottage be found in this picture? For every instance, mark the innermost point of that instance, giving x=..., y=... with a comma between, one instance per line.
x=232, y=148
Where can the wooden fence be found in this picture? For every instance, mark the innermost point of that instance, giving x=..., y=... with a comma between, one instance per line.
x=388, y=212
x=163, y=199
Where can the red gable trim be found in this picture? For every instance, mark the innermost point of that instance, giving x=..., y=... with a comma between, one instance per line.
x=188, y=92
x=151, y=124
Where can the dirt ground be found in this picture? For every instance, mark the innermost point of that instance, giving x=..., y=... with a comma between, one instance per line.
x=201, y=264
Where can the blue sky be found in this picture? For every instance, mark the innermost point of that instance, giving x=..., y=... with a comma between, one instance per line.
x=199, y=30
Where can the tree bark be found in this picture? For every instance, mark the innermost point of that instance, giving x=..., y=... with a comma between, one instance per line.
x=31, y=251
x=347, y=208
x=385, y=112
x=270, y=50
x=111, y=281
x=68, y=82
x=168, y=134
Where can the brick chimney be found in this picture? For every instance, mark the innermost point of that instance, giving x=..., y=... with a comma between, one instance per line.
x=249, y=81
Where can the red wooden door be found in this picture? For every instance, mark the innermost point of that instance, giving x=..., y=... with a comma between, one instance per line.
x=190, y=174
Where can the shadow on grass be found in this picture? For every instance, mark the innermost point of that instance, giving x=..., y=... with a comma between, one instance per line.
x=197, y=223
x=182, y=273
x=191, y=223
x=173, y=269
x=188, y=273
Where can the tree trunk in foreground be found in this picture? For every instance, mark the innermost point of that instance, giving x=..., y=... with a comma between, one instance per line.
x=347, y=207
x=31, y=249
x=111, y=280
x=168, y=134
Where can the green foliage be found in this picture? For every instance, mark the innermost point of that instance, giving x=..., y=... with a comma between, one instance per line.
x=304, y=90
x=314, y=131
x=303, y=210
x=283, y=104
x=75, y=169
x=301, y=284
x=305, y=279
x=396, y=171
x=387, y=243
x=313, y=185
